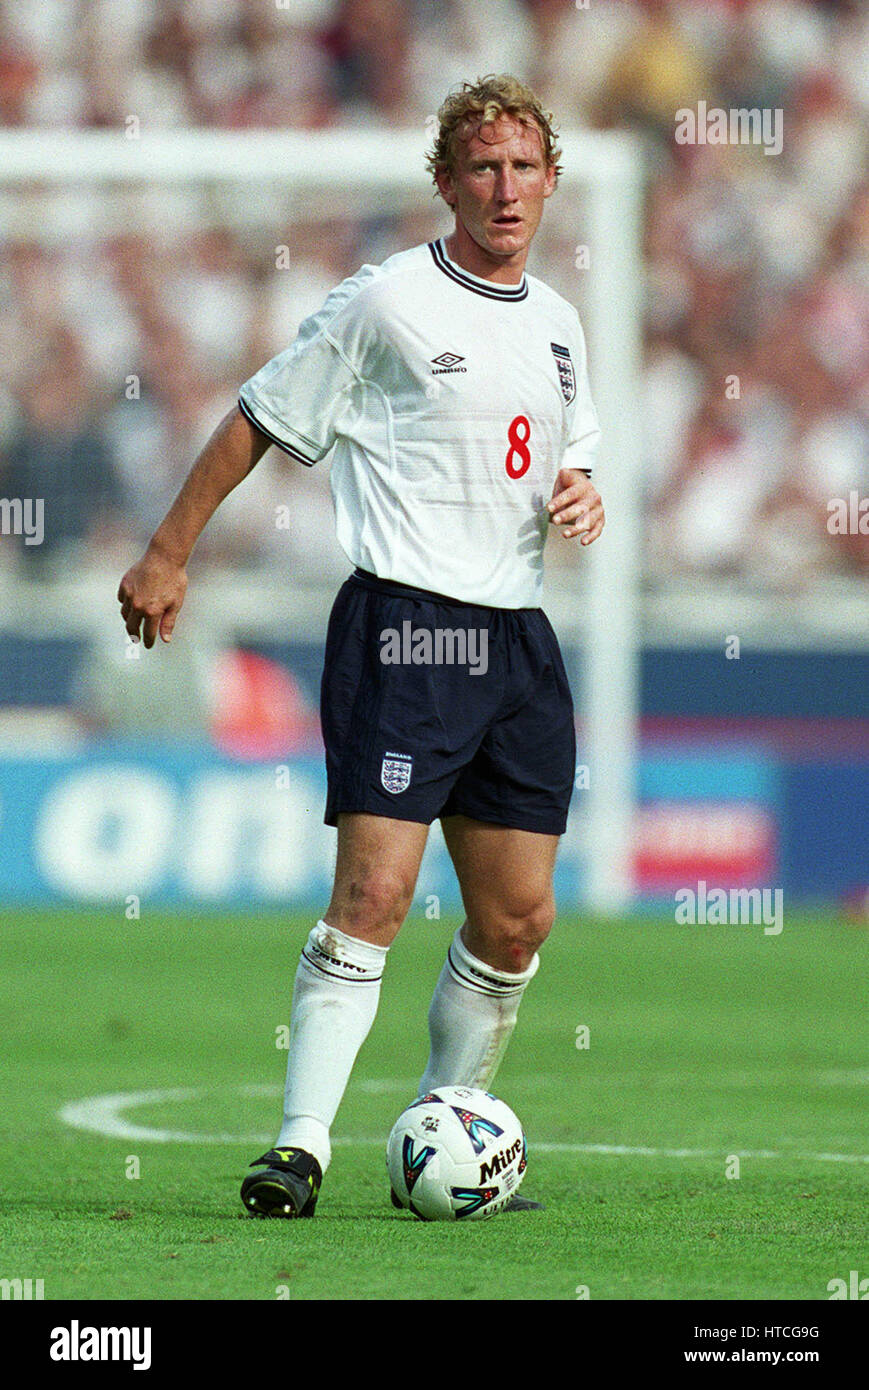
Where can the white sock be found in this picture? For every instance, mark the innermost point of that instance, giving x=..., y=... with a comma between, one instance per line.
x=335, y=998
x=472, y=1016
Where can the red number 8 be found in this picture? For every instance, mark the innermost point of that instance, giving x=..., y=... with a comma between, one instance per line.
x=518, y=446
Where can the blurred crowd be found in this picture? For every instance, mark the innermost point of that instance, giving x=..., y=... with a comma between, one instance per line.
x=122, y=347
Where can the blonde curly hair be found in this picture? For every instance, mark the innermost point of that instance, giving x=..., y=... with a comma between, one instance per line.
x=478, y=103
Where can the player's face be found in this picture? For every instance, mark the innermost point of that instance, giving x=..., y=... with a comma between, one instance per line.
x=498, y=186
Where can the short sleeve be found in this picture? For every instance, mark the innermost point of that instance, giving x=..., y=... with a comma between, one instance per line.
x=297, y=398
x=583, y=428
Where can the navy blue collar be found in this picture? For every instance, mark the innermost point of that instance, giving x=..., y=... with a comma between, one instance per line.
x=474, y=282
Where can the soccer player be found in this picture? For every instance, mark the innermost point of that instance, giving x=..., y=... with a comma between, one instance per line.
x=450, y=390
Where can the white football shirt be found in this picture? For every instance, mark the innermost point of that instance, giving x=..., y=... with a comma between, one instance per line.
x=449, y=404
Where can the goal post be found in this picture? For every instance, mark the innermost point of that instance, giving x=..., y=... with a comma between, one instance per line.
x=383, y=169
x=610, y=644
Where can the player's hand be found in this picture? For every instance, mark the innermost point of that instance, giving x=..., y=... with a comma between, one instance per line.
x=151, y=593
x=576, y=506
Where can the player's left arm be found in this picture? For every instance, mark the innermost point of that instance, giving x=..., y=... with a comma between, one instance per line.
x=576, y=505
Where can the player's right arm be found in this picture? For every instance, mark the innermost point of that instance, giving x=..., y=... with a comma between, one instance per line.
x=152, y=591
x=294, y=401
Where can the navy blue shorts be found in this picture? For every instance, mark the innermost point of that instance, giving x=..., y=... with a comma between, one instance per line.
x=433, y=708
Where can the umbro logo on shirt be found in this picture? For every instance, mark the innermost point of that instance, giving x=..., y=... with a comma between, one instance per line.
x=447, y=362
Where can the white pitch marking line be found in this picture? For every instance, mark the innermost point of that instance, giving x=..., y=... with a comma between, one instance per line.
x=106, y=1115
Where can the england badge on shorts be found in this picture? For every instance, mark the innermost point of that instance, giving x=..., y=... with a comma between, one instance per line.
x=566, y=374
x=395, y=772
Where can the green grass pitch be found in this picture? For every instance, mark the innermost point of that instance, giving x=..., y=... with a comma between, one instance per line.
x=704, y=1043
